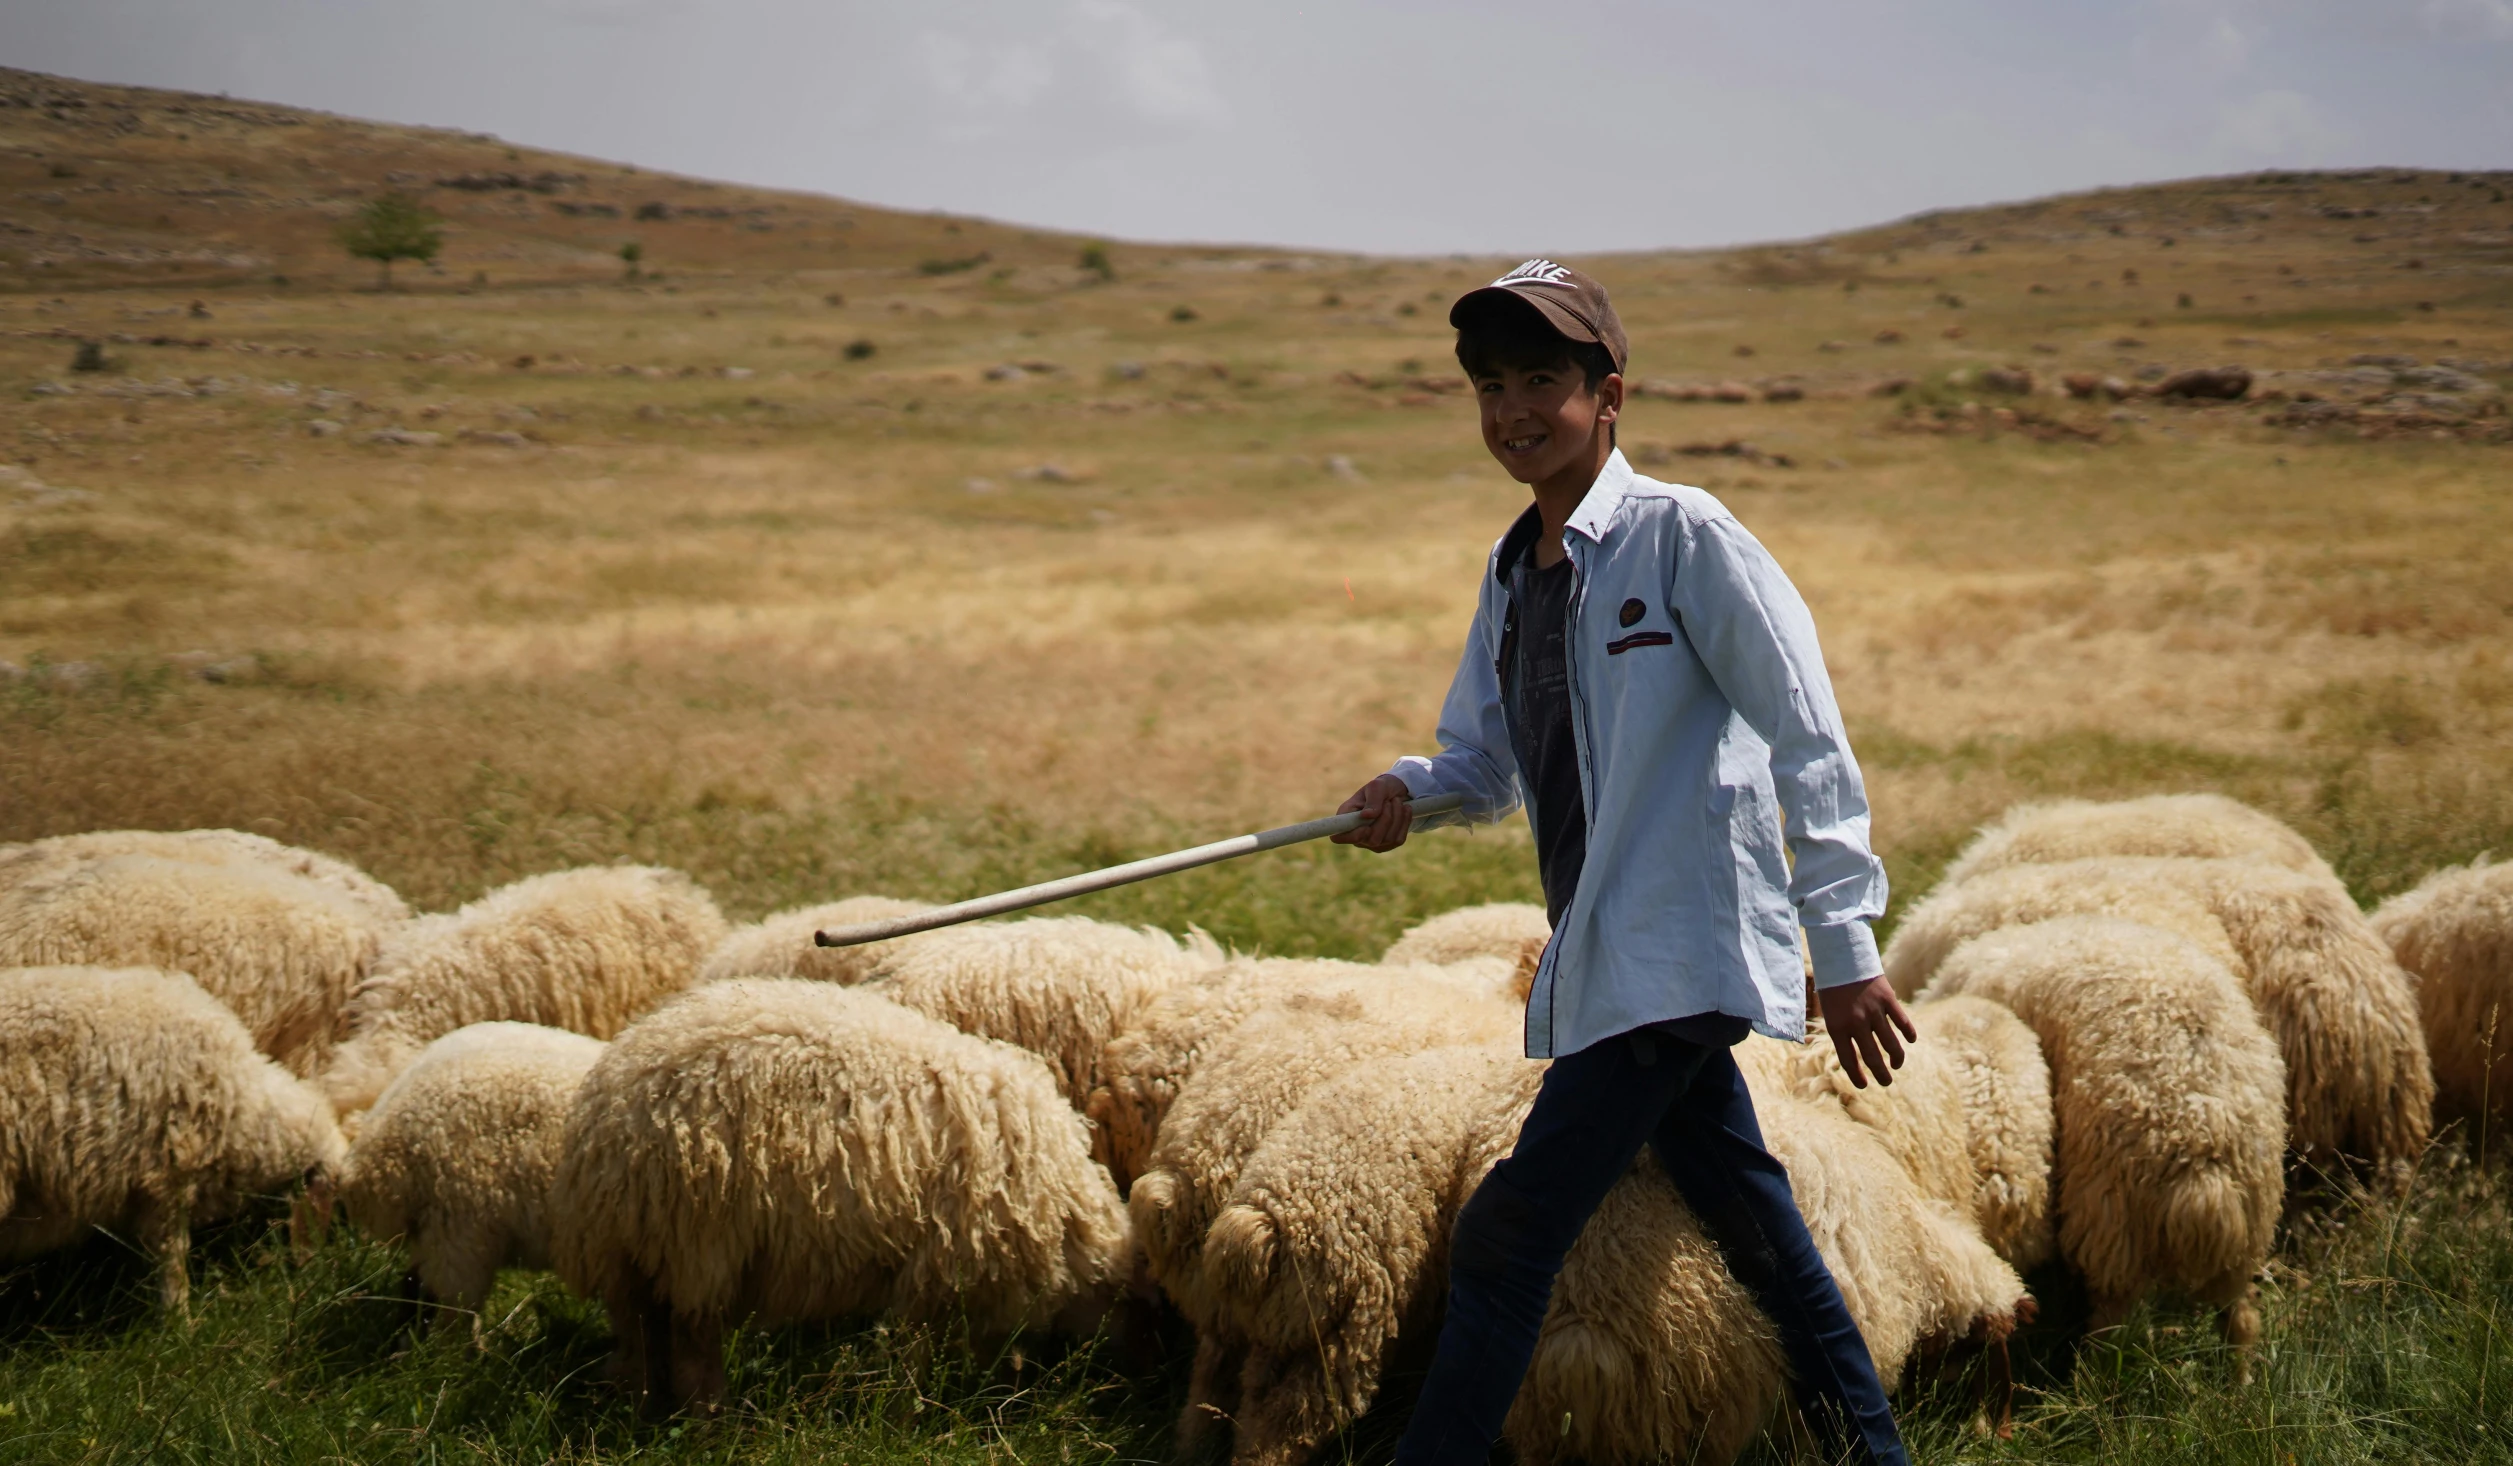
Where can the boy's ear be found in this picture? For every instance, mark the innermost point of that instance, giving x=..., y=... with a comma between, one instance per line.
x=1610, y=397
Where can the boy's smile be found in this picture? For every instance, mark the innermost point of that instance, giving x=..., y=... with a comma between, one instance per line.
x=1544, y=424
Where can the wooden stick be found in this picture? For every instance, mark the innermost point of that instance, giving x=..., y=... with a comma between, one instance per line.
x=1115, y=875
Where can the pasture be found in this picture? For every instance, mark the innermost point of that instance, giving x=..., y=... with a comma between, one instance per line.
x=844, y=551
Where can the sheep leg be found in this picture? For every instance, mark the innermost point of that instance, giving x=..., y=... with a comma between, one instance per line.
x=697, y=1346
x=416, y=1302
x=654, y=1328
x=1999, y=1388
x=1286, y=1408
x=164, y=1227
x=2241, y=1328
x=1215, y=1362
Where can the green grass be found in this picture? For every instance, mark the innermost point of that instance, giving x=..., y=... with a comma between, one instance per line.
x=2386, y=1341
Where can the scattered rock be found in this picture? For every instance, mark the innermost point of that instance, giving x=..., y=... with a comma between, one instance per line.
x=2224, y=384
x=982, y=486
x=2385, y=360
x=1731, y=392
x=2441, y=378
x=1128, y=371
x=1888, y=337
x=1050, y=473
x=405, y=438
x=1830, y=346
x=494, y=438
x=1342, y=467
x=1784, y=392
x=1006, y=372
x=2086, y=386
x=1890, y=387
x=736, y=374
x=2012, y=380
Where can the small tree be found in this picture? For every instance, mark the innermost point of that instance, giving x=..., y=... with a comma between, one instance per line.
x=1095, y=261
x=631, y=254
x=393, y=227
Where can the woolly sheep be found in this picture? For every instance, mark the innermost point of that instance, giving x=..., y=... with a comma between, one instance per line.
x=1968, y=1115
x=585, y=950
x=2455, y=932
x=211, y=847
x=1143, y=1068
x=1651, y=1351
x=2342, y=1011
x=455, y=1158
x=782, y=946
x=2204, y=826
x=794, y=1150
x=1258, y=1072
x=280, y=950
x=1335, y=1240
x=2171, y=1104
x=1515, y=931
x=132, y=1101
x=1058, y=986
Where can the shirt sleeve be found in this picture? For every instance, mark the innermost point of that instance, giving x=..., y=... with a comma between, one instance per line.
x=1474, y=758
x=1753, y=632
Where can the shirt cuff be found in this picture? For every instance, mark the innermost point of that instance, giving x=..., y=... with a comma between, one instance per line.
x=1844, y=953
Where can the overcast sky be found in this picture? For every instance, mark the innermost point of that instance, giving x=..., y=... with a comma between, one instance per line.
x=1405, y=125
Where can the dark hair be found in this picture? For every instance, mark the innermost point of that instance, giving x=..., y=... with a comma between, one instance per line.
x=1525, y=341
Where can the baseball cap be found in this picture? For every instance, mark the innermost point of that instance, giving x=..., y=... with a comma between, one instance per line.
x=1570, y=302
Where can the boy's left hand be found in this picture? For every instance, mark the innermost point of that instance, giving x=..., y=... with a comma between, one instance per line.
x=1862, y=1017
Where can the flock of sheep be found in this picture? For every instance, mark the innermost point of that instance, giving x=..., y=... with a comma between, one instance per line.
x=2132, y=1015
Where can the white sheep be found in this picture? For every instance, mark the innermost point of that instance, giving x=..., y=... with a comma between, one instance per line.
x=2171, y=1104
x=585, y=950
x=211, y=847
x=2455, y=932
x=2203, y=826
x=1514, y=931
x=782, y=946
x=1335, y=1240
x=1969, y=1115
x=2342, y=1011
x=1058, y=986
x=281, y=950
x=132, y=1101
x=455, y=1158
x=792, y=1150
x=1145, y=1065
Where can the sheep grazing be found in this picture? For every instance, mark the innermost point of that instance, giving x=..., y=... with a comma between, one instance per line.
x=456, y=1157
x=1258, y=1072
x=1059, y=986
x=2342, y=1011
x=132, y=1101
x=1968, y=1115
x=782, y=945
x=2200, y=826
x=1335, y=1241
x=585, y=950
x=1144, y=1067
x=2455, y=932
x=211, y=847
x=281, y=950
x=2171, y=1103
x=1515, y=931
x=1650, y=1351
x=794, y=1150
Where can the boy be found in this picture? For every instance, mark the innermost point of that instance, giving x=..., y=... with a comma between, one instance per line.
x=1645, y=678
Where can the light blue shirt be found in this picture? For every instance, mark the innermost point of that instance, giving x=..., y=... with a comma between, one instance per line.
x=1700, y=722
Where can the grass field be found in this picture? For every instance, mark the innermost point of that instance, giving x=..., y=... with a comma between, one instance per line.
x=847, y=550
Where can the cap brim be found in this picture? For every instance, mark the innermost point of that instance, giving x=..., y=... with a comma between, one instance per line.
x=1491, y=297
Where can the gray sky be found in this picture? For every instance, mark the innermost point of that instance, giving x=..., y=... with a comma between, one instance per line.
x=1403, y=125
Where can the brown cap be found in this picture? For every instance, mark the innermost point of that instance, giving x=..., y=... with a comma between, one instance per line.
x=1570, y=302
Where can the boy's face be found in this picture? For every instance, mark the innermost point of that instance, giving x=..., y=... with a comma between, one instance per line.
x=1543, y=421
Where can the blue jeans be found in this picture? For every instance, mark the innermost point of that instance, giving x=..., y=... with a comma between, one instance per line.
x=1595, y=1111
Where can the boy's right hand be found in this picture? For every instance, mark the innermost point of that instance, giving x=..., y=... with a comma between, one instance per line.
x=1387, y=807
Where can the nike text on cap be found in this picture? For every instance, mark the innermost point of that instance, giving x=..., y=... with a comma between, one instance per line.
x=1569, y=301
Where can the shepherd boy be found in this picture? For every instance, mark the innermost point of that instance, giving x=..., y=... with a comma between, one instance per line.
x=1643, y=676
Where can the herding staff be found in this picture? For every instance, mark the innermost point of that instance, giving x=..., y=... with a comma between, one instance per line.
x=1115, y=875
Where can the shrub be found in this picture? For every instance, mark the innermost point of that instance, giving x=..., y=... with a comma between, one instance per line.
x=393, y=227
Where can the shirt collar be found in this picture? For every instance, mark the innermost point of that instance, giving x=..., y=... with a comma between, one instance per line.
x=1596, y=510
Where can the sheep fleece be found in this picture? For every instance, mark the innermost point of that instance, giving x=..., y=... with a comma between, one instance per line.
x=2342, y=1011
x=456, y=1157
x=794, y=1149
x=782, y=945
x=2455, y=932
x=134, y=1101
x=2205, y=826
x=585, y=950
x=2170, y=1097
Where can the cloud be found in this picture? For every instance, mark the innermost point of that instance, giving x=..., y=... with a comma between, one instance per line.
x=1162, y=76
x=2490, y=18
x=609, y=12
x=1003, y=78
x=2273, y=124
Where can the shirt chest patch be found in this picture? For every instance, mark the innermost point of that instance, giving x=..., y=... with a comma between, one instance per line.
x=1630, y=614
x=1632, y=611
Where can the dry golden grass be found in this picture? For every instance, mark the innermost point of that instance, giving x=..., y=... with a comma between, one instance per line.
x=725, y=597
